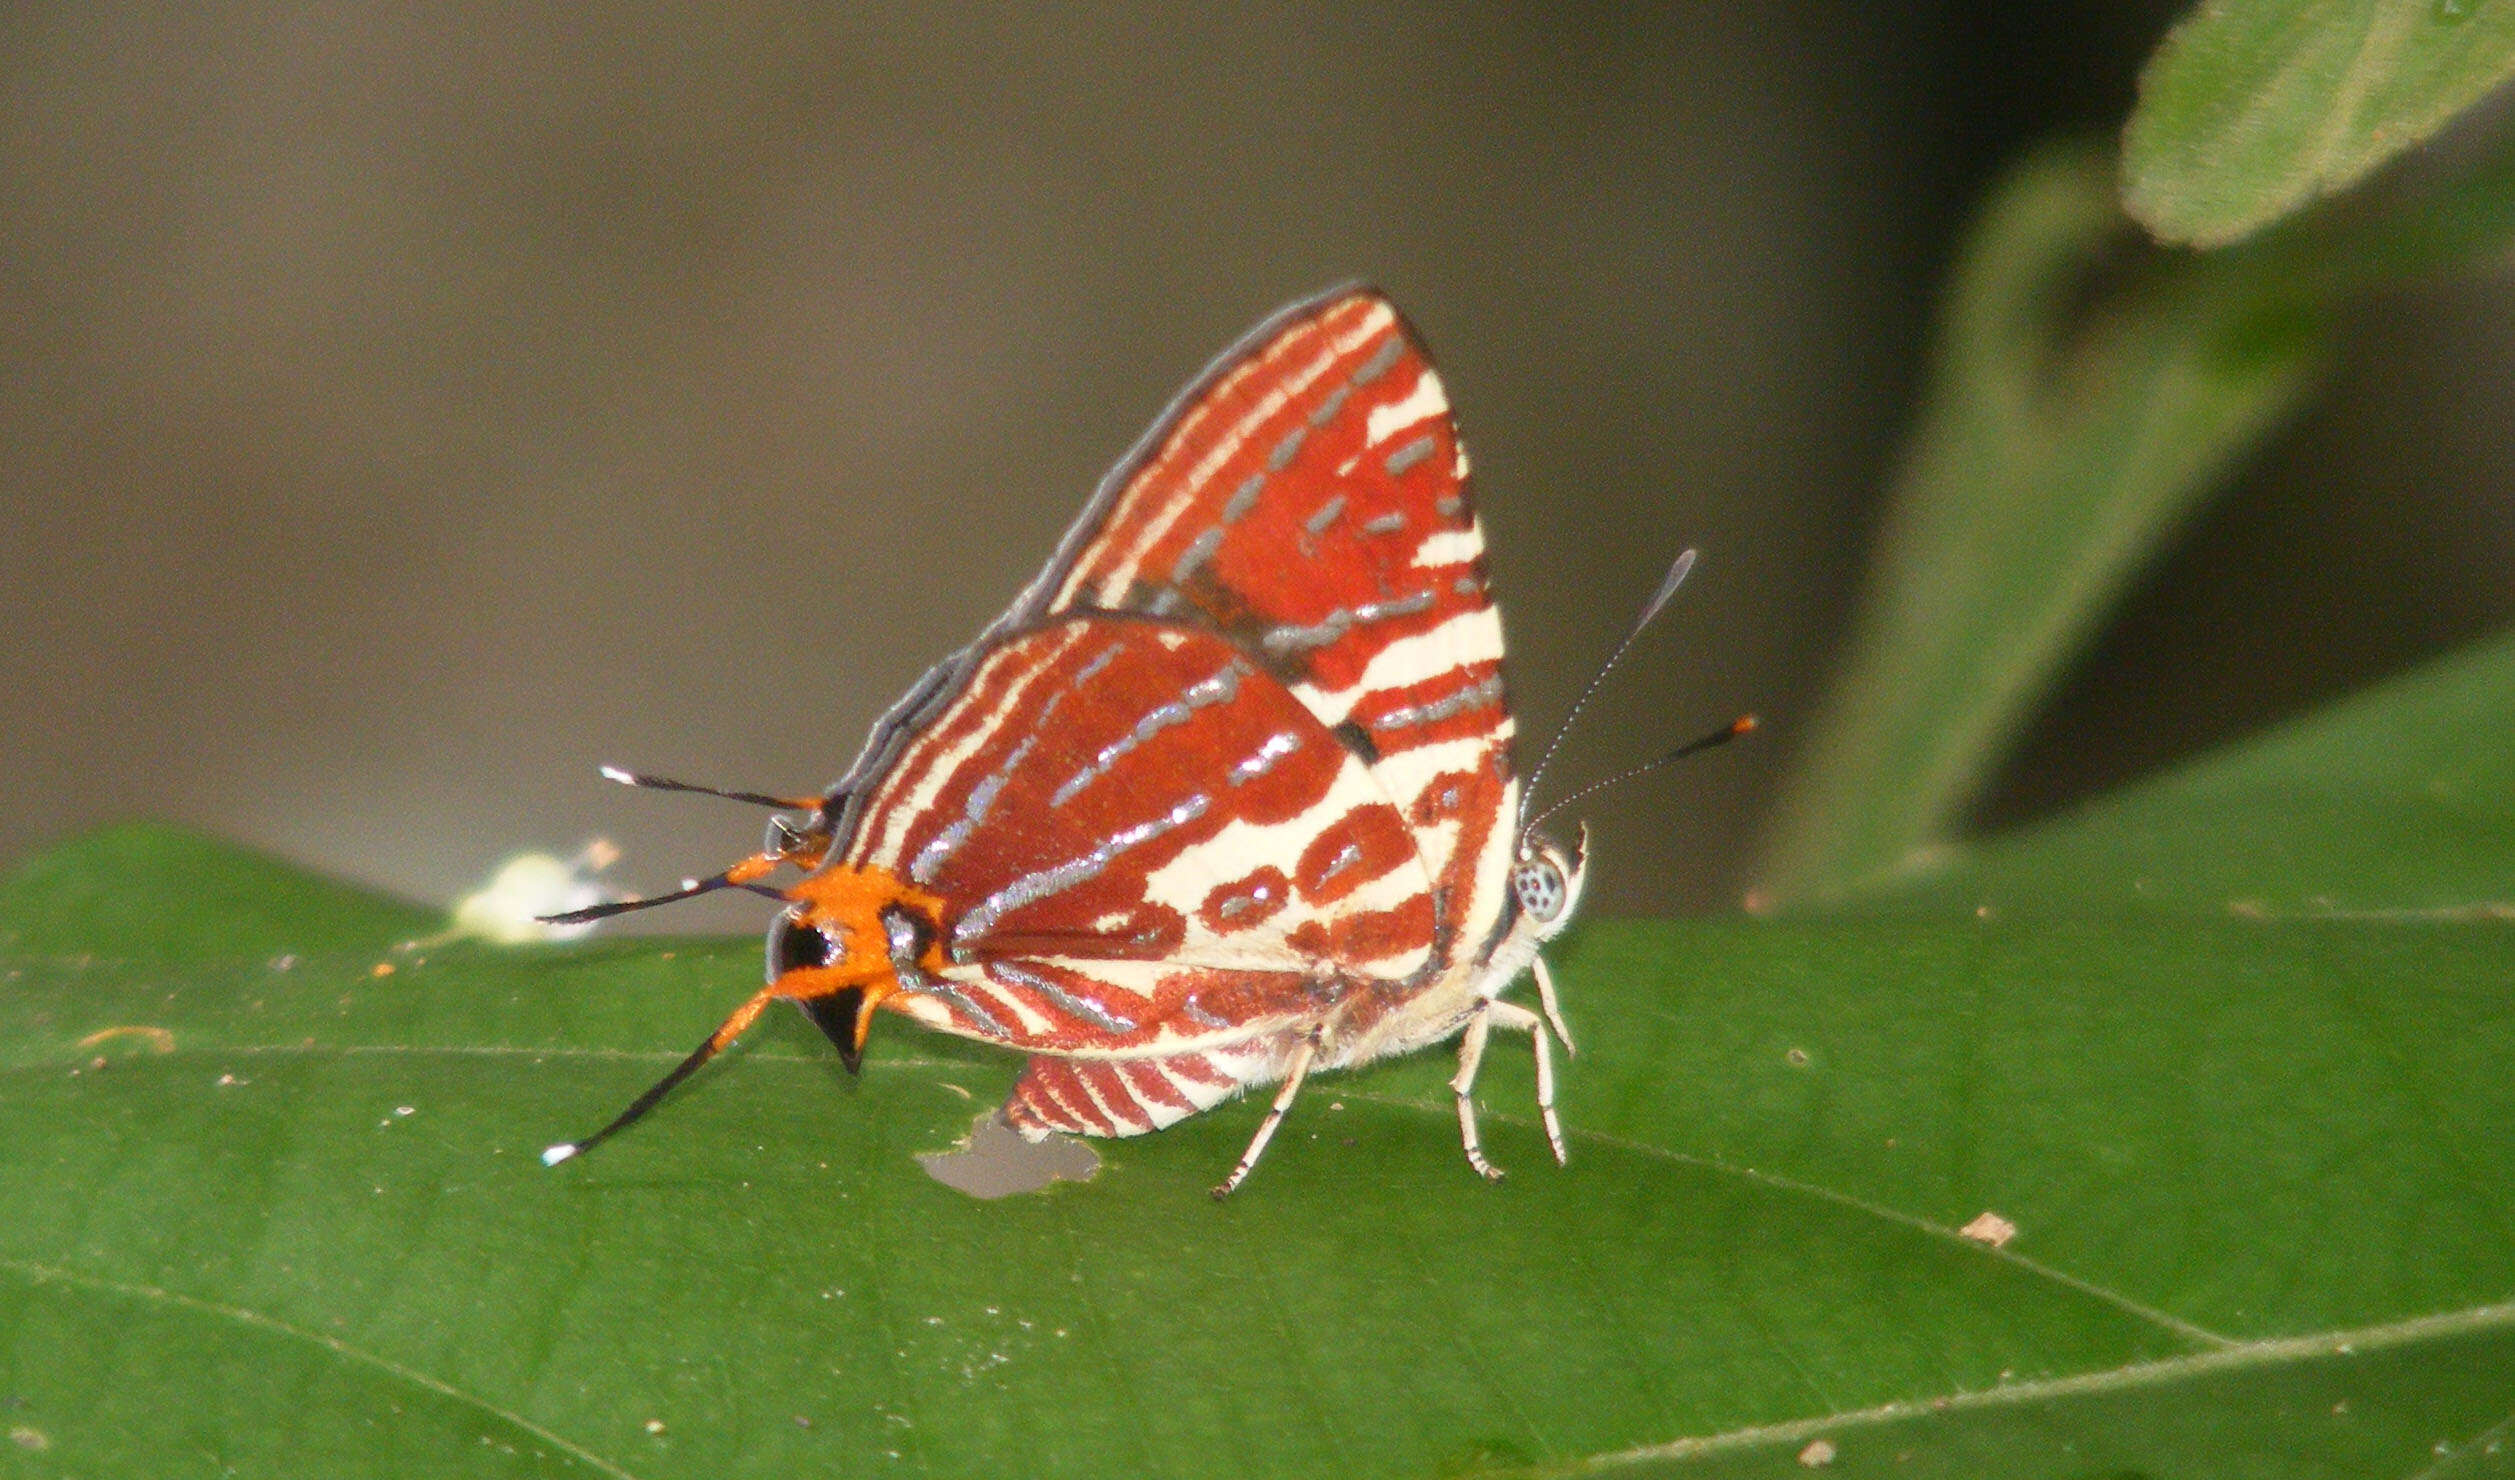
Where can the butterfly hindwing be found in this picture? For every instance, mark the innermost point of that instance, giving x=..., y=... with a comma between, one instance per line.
x=1144, y=838
x=1127, y=1097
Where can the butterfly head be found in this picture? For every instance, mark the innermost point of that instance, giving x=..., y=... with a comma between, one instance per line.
x=844, y=944
x=1546, y=880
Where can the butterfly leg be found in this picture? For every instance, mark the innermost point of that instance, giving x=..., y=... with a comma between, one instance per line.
x=1294, y=1070
x=1489, y=1015
x=1471, y=1057
x=1512, y=1015
x=1554, y=1008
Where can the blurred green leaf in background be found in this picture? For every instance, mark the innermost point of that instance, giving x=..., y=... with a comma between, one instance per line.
x=2170, y=1137
x=2089, y=393
x=2251, y=108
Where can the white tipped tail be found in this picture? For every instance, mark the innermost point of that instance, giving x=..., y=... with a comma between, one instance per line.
x=553, y=1155
x=614, y=773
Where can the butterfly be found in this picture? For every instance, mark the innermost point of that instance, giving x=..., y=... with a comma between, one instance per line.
x=1224, y=798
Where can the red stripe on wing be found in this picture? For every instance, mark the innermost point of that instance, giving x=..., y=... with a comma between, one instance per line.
x=1128, y=1097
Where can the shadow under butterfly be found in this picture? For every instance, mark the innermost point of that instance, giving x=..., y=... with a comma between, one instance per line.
x=1225, y=797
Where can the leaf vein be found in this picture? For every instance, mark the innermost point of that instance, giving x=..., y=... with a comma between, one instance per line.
x=2237, y=1358
x=2165, y=1320
x=50, y=1274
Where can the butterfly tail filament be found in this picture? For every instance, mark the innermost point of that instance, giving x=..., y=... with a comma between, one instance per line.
x=726, y=1032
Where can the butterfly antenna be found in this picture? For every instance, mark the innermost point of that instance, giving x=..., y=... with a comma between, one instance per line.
x=1743, y=724
x=649, y=782
x=740, y=876
x=786, y=845
x=1667, y=587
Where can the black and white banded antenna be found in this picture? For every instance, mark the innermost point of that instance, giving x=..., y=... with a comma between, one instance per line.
x=1668, y=585
x=1742, y=725
x=648, y=781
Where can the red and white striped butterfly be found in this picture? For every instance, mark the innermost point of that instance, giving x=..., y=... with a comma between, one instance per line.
x=1225, y=797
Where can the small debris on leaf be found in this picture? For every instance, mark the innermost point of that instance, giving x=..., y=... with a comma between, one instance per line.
x=158, y=1039
x=997, y=1161
x=1990, y=1228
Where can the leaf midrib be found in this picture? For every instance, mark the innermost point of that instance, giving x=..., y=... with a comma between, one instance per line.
x=2233, y=1356
x=2381, y=38
x=2243, y=1356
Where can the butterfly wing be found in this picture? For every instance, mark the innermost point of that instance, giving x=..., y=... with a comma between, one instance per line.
x=1307, y=499
x=1144, y=842
x=1241, y=748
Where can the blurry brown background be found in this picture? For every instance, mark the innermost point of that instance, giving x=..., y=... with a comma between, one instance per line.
x=404, y=409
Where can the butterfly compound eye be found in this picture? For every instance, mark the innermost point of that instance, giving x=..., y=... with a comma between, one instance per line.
x=1538, y=882
x=793, y=944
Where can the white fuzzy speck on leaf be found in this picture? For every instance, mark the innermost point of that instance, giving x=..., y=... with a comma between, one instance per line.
x=508, y=909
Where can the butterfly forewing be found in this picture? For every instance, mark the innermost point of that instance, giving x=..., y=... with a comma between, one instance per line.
x=1307, y=500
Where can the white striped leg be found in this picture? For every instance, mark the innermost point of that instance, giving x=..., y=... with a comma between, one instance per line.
x=1293, y=1072
x=1488, y=1015
x=1512, y=1015
x=1554, y=1008
x=1471, y=1056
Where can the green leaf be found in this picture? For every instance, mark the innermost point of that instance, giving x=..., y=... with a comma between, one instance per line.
x=2088, y=395
x=2397, y=806
x=2054, y=452
x=284, y=1214
x=2252, y=108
